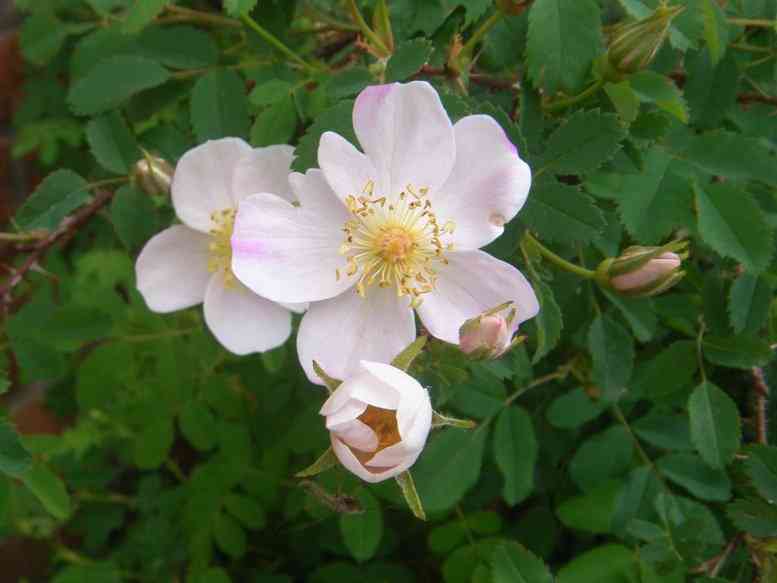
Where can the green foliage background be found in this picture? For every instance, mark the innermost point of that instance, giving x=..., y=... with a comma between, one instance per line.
x=627, y=442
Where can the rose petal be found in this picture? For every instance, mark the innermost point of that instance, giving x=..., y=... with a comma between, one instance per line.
x=202, y=183
x=263, y=170
x=470, y=284
x=242, y=321
x=172, y=269
x=347, y=170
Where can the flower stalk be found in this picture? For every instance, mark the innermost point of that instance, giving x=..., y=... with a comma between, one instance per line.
x=559, y=262
x=273, y=40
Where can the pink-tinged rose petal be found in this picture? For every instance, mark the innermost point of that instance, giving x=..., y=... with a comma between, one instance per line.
x=407, y=135
x=488, y=185
x=470, y=284
x=263, y=170
x=341, y=331
x=348, y=171
x=172, y=269
x=202, y=183
x=242, y=321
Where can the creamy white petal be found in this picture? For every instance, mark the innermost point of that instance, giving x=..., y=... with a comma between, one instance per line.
x=347, y=170
x=172, y=269
x=346, y=413
x=357, y=435
x=348, y=459
x=316, y=196
x=394, y=455
x=202, y=183
x=488, y=185
x=406, y=133
x=242, y=321
x=286, y=253
x=341, y=331
x=470, y=284
x=263, y=170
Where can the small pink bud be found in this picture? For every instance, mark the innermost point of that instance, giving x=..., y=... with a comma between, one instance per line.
x=485, y=336
x=650, y=276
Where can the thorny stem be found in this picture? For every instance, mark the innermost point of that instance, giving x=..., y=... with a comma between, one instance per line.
x=559, y=261
x=572, y=100
x=272, y=40
x=367, y=31
x=761, y=396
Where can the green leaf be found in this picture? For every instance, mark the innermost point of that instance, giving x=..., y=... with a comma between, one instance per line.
x=49, y=489
x=605, y=564
x=112, y=144
x=761, y=468
x=113, y=81
x=60, y=193
x=665, y=429
x=589, y=467
x=363, y=531
x=715, y=425
x=624, y=99
x=14, y=458
x=573, y=409
x=732, y=224
x=565, y=36
x=585, y=142
x=141, y=14
x=336, y=119
x=690, y=472
x=748, y=303
x=655, y=201
x=562, y=213
x=248, y=512
x=92, y=573
x=153, y=443
x=41, y=37
x=512, y=563
x=612, y=351
x=736, y=351
x=239, y=7
x=715, y=29
x=515, y=452
x=593, y=511
x=548, y=321
x=229, y=536
x=754, y=516
x=212, y=575
x=734, y=156
x=275, y=125
x=638, y=312
x=651, y=87
x=178, y=47
x=134, y=217
x=272, y=91
x=219, y=106
x=671, y=370
x=449, y=467
x=711, y=90
x=198, y=425
x=408, y=59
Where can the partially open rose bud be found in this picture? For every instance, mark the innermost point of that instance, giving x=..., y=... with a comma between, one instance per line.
x=153, y=175
x=488, y=335
x=643, y=271
x=634, y=45
x=378, y=421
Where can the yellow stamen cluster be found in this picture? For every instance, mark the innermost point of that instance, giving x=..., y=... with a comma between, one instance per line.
x=394, y=242
x=220, y=245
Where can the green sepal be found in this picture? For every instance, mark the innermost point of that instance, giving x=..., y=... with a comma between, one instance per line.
x=439, y=420
x=405, y=358
x=407, y=485
x=330, y=382
x=327, y=461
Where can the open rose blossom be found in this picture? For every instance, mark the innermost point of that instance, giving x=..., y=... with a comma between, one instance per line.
x=390, y=230
x=378, y=421
x=189, y=264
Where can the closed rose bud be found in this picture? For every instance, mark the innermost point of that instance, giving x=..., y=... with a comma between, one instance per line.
x=485, y=335
x=153, y=175
x=633, y=46
x=643, y=271
x=378, y=421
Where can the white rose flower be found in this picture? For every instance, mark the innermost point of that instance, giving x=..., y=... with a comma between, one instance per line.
x=189, y=264
x=390, y=230
x=378, y=421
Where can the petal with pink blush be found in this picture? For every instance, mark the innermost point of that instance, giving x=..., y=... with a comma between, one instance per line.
x=263, y=170
x=285, y=253
x=242, y=321
x=488, y=185
x=407, y=135
x=470, y=284
x=172, y=269
x=340, y=332
x=202, y=183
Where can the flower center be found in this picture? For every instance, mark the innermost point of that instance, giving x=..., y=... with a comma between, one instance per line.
x=394, y=243
x=384, y=423
x=220, y=246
